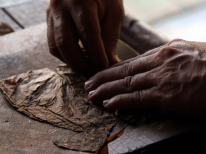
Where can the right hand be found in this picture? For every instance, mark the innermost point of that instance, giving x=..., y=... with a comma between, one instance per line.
x=171, y=77
x=96, y=23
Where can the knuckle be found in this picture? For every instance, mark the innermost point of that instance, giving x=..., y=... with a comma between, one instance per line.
x=167, y=52
x=60, y=42
x=52, y=46
x=85, y=32
x=82, y=8
x=55, y=2
x=125, y=70
x=182, y=46
x=127, y=82
x=58, y=18
x=75, y=4
x=81, y=5
x=175, y=42
x=48, y=10
x=49, y=22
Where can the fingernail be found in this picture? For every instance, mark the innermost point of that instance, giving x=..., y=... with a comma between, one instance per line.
x=91, y=92
x=105, y=102
x=88, y=83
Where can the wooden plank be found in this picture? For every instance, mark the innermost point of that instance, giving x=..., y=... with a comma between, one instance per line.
x=5, y=18
x=29, y=14
x=9, y=3
x=26, y=50
x=20, y=52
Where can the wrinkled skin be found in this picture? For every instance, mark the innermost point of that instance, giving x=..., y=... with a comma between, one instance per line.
x=96, y=23
x=171, y=77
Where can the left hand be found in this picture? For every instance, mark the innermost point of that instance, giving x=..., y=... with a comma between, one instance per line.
x=172, y=77
x=96, y=23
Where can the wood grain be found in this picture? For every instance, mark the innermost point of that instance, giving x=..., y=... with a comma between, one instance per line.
x=27, y=50
x=30, y=14
x=5, y=18
x=20, y=52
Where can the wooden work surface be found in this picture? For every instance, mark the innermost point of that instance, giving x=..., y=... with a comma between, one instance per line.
x=138, y=35
x=27, y=50
x=25, y=15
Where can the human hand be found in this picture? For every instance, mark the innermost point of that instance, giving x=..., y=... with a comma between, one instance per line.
x=95, y=22
x=172, y=77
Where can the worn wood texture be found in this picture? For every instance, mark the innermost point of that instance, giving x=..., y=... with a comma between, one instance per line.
x=20, y=52
x=30, y=14
x=27, y=50
x=5, y=18
x=60, y=99
x=138, y=35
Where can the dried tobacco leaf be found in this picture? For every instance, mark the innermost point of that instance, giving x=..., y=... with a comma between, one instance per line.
x=60, y=99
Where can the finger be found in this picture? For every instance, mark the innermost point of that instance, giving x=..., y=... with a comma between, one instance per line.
x=144, y=99
x=148, y=53
x=127, y=85
x=141, y=65
x=67, y=41
x=50, y=38
x=111, y=29
x=86, y=20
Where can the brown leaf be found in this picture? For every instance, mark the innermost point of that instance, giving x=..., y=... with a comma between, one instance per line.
x=60, y=99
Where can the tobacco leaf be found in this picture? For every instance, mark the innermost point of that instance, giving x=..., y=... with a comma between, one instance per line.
x=60, y=99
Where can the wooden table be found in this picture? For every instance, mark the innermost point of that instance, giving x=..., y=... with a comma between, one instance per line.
x=25, y=15
x=27, y=49
x=138, y=35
